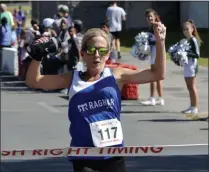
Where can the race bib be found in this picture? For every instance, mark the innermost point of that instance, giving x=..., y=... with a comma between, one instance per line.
x=106, y=133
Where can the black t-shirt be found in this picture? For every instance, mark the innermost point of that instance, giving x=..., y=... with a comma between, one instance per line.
x=74, y=48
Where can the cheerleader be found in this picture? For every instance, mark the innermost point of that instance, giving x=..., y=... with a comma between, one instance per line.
x=191, y=68
x=95, y=94
x=151, y=17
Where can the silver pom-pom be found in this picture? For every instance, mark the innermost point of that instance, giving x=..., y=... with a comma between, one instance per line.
x=178, y=52
x=142, y=48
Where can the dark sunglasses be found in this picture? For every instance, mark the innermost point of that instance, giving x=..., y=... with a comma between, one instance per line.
x=92, y=51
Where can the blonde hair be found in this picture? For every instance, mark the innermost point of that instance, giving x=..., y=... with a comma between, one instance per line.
x=195, y=32
x=150, y=10
x=94, y=32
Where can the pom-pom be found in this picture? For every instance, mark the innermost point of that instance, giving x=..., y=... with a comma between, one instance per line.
x=178, y=52
x=143, y=44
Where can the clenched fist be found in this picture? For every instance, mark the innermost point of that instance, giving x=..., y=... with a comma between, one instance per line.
x=159, y=31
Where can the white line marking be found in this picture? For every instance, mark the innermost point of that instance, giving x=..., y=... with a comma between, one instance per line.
x=49, y=108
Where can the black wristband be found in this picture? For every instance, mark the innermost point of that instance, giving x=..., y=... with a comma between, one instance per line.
x=39, y=50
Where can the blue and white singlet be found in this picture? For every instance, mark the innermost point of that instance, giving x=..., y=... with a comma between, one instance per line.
x=94, y=112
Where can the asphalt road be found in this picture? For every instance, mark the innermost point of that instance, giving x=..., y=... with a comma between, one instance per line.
x=32, y=119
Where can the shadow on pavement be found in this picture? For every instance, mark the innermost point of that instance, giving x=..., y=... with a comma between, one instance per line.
x=134, y=164
x=64, y=97
x=147, y=111
x=171, y=120
x=204, y=129
x=61, y=105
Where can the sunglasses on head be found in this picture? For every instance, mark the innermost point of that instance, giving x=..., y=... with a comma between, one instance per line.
x=102, y=51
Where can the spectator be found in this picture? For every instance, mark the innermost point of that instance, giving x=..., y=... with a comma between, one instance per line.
x=19, y=19
x=14, y=37
x=56, y=24
x=22, y=15
x=115, y=15
x=5, y=36
x=106, y=27
x=22, y=46
x=6, y=14
x=14, y=12
x=24, y=58
x=74, y=49
x=59, y=15
x=34, y=32
x=65, y=11
x=64, y=37
x=5, y=33
x=79, y=31
x=35, y=28
x=48, y=30
x=76, y=37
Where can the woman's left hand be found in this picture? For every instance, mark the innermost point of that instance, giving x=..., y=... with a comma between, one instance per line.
x=159, y=31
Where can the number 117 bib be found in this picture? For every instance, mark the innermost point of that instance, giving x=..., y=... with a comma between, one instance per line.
x=106, y=133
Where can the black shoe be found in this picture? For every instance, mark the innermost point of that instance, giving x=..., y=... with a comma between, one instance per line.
x=119, y=56
x=39, y=50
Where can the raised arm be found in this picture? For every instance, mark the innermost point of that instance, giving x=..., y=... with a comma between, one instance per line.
x=34, y=79
x=157, y=73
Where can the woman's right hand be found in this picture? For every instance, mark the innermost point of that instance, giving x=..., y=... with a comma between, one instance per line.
x=159, y=31
x=35, y=79
x=36, y=50
x=43, y=46
x=41, y=40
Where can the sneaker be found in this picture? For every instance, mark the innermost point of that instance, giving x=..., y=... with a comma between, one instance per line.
x=160, y=101
x=150, y=102
x=119, y=55
x=194, y=111
x=190, y=110
x=64, y=91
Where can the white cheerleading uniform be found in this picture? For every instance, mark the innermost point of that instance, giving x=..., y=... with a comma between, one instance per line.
x=153, y=55
x=190, y=69
x=153, y=46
